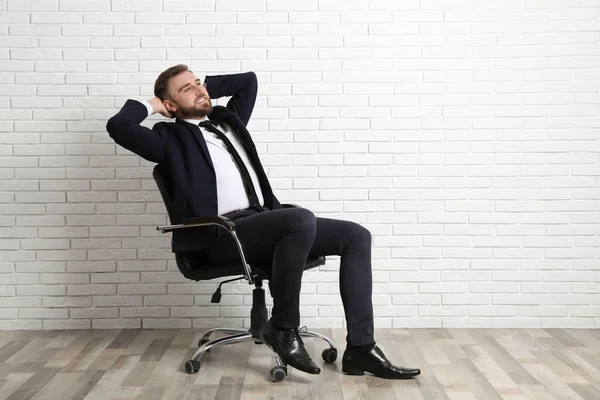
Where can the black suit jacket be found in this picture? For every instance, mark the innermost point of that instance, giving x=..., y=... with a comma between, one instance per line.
x=181, y=150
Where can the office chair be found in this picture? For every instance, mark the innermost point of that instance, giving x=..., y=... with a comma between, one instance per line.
x=253, y=273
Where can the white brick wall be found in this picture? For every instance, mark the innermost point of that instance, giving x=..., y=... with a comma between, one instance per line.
x=464, y=134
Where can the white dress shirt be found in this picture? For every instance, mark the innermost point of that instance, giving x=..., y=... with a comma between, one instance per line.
x=231, y=195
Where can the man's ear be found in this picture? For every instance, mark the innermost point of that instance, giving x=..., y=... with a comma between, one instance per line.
x=169, y=106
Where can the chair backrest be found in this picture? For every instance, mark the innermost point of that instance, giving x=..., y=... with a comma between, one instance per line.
x=164, y=186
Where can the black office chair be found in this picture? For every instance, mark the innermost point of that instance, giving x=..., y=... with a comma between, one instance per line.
x=253, y=273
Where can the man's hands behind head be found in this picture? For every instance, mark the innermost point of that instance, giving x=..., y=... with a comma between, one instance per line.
x=158, y=107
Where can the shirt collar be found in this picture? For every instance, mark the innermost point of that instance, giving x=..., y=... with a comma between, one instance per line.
x=195, y=121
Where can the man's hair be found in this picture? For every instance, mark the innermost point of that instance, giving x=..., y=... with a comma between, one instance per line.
x=161, y=84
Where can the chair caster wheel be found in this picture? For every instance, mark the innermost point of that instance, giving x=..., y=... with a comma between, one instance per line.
x=329, y=355
x=202, y=341
x=278, y=373
x=191, y=367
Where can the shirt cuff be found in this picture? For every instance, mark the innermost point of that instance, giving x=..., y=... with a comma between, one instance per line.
x=148, y=106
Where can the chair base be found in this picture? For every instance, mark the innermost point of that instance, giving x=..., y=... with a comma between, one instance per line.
x=258, y=318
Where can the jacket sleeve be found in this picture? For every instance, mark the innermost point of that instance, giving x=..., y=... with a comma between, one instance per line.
x=125, y=129
x=242, y=87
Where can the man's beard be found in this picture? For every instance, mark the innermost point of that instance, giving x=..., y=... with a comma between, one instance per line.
x=194, y=112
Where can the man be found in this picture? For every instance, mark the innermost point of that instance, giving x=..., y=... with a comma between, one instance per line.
x=215, y=170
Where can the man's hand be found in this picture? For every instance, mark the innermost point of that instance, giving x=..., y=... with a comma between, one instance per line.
x=158, y=107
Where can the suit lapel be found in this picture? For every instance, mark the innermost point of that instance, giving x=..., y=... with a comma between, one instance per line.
x=197, y=134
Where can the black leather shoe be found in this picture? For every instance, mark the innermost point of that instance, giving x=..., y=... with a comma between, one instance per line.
x=375, y=362
x=289, y=347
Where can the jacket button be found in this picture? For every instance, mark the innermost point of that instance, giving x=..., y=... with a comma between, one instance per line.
x=211, y=180
x=212, y=204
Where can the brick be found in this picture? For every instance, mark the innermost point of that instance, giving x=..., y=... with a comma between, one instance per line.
x=37, y=197
x=76, y=313
x=13, y=324
x=65, y=185
x=142, y=312
x=44, y=244
x=61, y=255
x=63, y=302
x=112, y=43
x=495, y=287
x=88, y=54
x=494, y=311
x=72, y=209
x=88, y=6
x=43, y=313
x=32, y=209
x=129, y=323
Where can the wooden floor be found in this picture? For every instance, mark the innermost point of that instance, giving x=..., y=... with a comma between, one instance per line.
x=474, y=364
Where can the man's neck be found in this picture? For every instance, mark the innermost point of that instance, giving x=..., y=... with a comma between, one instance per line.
x=194, y=121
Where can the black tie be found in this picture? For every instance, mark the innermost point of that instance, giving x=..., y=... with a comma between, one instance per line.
x=248, y=184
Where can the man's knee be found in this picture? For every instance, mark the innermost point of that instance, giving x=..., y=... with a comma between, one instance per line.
x=362, y=235
x=359, y=236
x=301, y=220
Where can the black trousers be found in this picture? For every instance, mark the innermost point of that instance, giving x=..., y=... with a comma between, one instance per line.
x=287, y=237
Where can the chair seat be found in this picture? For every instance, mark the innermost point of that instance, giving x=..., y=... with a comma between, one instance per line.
x=197, y=268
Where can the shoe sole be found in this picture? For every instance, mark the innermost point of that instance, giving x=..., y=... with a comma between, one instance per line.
x=353, y=371
x=360, y=372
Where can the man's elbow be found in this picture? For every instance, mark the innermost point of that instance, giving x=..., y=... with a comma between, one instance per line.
x=252, y=78
x=113, y=127
x=252, y=85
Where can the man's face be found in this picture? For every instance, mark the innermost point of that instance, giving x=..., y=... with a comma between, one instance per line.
x=188, y=98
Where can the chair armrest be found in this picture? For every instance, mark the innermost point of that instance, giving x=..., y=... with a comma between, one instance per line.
x=193, y=222
x=219, y=221
x=222, y=221
x=290, y=205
